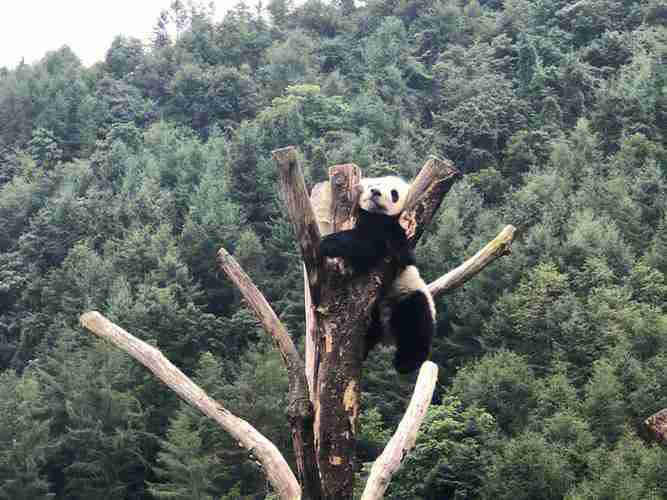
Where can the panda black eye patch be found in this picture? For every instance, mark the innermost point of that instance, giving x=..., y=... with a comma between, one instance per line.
x=394, y=195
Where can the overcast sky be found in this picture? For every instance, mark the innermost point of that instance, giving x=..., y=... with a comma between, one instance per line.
x=30, y=28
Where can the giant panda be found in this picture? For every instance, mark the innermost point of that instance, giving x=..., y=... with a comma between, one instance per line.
x=404, y=314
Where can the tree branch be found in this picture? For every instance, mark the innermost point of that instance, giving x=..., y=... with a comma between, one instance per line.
x=499, y=246
x=300, y=409
x=426, y=193
x=388, y=463
x=275, y=466
x=311, y=339
x=301, y=214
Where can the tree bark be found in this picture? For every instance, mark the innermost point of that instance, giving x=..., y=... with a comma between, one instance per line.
x=403, y=440
x=342, y=318
x=275, y=467
x=301, y=214
x=427, y=191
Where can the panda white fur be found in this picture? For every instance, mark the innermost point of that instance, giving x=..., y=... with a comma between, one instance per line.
x=405, y=313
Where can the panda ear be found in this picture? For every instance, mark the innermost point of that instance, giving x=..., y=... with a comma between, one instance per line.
x=394, y=195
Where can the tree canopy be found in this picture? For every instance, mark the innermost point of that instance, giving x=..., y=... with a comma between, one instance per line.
x=119, y=182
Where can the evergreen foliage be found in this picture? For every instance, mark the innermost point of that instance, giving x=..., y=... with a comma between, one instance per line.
x=119, y=182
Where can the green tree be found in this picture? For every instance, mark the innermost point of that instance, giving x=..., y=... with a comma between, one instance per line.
x=501, y=383
x=24, y=438
x=451, y=457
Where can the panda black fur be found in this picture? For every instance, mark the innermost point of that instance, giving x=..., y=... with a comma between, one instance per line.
x=405, y=313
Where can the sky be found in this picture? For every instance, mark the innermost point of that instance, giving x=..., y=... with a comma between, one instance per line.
x=30, y=28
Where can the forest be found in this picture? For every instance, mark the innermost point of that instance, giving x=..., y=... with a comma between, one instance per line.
x=119, y=182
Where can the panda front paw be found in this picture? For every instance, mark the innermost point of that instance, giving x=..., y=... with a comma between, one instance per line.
x=328, y=247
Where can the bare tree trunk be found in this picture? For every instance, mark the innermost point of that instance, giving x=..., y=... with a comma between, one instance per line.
x=342, y=305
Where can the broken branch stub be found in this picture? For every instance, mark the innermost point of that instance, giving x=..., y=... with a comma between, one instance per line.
x=656, y=427
x=427, y=191
x=301, y=214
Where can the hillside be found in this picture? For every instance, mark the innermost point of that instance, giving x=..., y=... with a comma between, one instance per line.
x=119, y=182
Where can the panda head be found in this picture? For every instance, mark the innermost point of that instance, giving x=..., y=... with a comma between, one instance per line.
x=383, y=195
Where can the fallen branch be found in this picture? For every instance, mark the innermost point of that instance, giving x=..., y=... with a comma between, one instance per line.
x=300, y=409
x=388, y=463
x=276, y=468
x=499, y=246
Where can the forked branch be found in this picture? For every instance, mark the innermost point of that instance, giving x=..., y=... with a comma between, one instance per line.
x=276, y=468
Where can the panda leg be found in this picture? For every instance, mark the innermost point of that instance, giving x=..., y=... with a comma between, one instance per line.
x=374, y=334
x=412, y=324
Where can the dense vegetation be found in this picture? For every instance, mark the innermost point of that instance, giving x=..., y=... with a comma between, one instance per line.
x=119, y=182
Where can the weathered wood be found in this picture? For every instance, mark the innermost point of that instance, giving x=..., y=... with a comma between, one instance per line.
x=427, y=191
x=301, y=214
x=342, y=318
x=299, y=409
x=499, y=246
x=275, y=467
x=320, y=199
x=403, y=440
x=311, y=340
x=343, y=181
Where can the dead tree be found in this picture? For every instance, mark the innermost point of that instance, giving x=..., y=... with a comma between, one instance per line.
x=324, y=391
